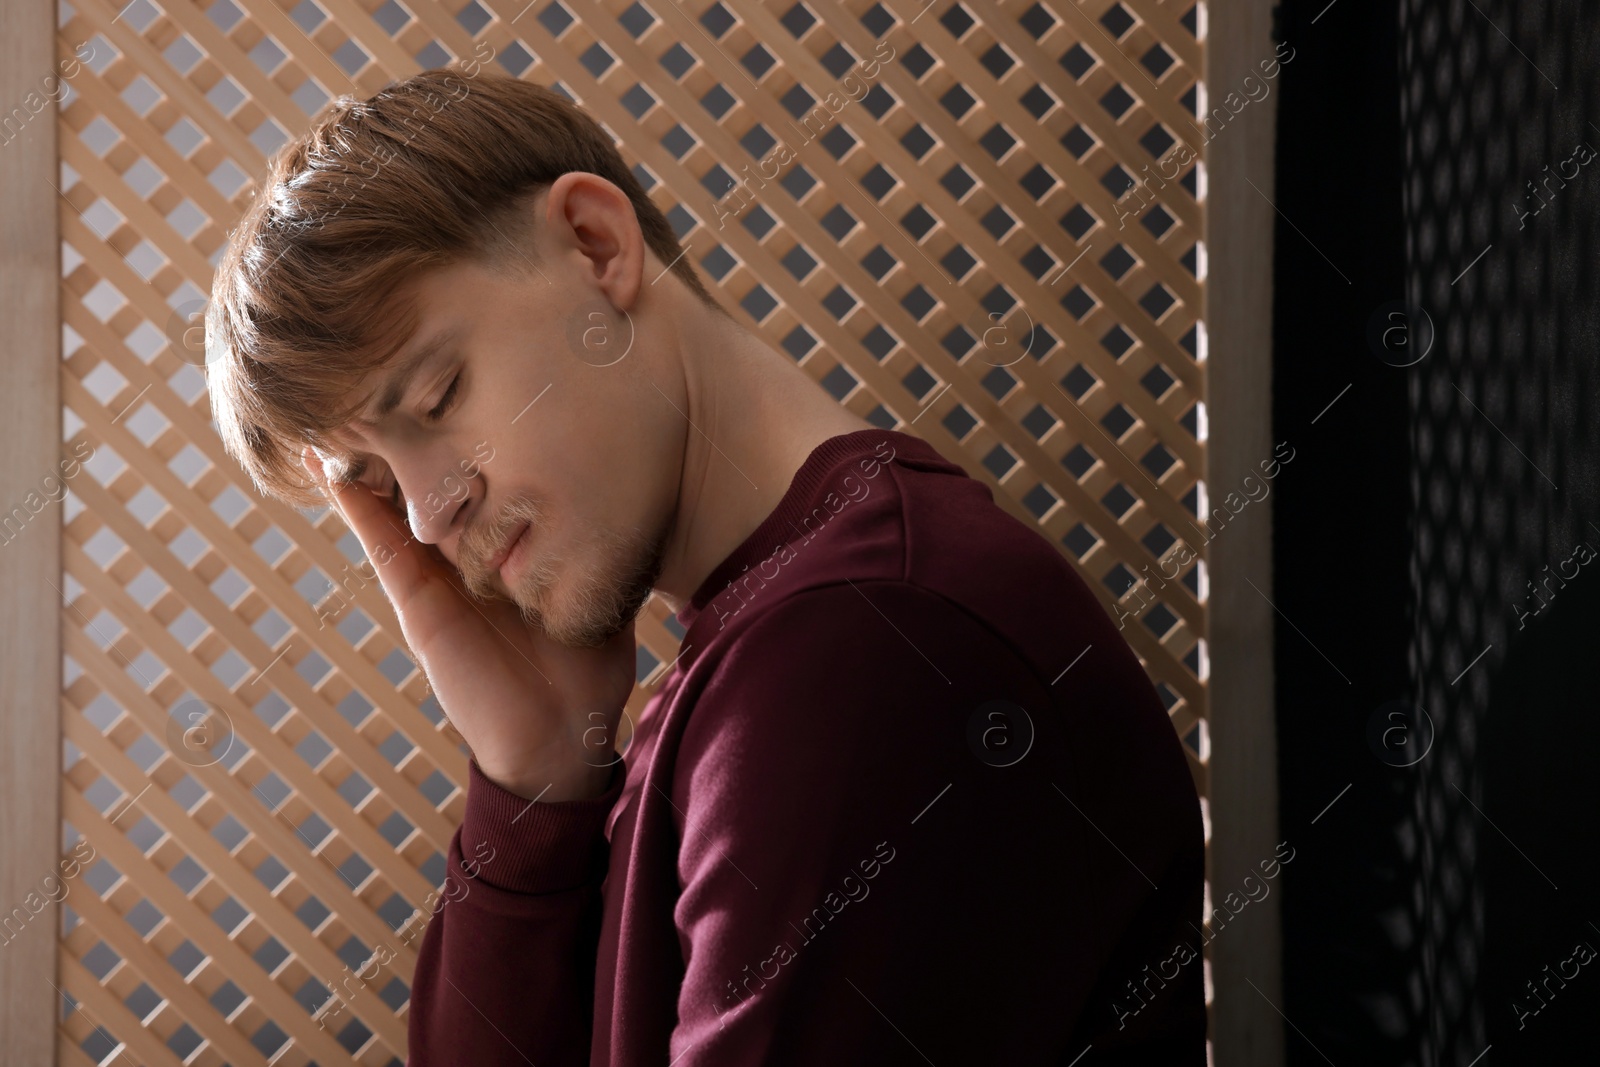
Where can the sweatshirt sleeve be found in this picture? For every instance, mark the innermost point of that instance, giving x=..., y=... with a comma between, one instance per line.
x=505, y=972
x=859, y=880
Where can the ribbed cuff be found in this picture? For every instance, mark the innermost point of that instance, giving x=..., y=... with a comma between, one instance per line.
x=525, y=846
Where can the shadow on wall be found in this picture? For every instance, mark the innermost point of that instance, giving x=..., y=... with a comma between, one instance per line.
x=1502, y=210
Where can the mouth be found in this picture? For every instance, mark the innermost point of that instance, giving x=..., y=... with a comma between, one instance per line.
x=498, y=561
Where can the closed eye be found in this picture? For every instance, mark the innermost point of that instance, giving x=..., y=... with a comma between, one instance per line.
x=437, y=412
x=439, y=409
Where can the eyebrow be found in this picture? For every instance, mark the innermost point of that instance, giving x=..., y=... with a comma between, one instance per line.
x=390, y=393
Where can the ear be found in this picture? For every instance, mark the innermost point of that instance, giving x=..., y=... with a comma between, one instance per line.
x=590, y=216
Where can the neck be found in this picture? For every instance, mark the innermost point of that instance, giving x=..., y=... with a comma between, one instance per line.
x=753, y=418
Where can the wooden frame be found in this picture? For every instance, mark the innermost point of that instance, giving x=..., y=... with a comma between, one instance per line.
x=1238, y=314
x=30, y=561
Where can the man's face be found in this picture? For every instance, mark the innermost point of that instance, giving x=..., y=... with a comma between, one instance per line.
x=547, y=417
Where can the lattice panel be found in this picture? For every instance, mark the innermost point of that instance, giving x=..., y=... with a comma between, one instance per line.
x=952, y=250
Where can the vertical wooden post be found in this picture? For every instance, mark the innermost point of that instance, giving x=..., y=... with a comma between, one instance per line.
x=30, y=548
x=1246, y=953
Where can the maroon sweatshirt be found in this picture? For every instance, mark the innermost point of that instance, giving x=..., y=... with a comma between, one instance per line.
x=906, y=797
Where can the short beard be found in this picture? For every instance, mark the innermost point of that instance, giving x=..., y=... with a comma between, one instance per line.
x=603, y=602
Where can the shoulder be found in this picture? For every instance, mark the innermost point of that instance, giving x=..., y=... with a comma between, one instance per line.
x=863, y=661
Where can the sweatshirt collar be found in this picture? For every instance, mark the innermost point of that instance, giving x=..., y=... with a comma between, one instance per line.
x=801, y=498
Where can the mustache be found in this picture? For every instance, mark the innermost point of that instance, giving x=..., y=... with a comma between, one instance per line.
x=480, y=543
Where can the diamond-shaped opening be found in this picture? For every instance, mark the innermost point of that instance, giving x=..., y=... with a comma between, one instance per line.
x=1157, y=220
x=879, y=342
x=1078, y=460
x=1080, y=540
x=797, y=20
x=1157, y=301
x=958, y=342
x=1078, y=302
x=1159, y=619
x=1117, y=20
x=1157, y=140
x=1077, y=61
x=1039, y=421
x=517, y=59
x=998, y=383
x=917, y=140
x=798, y=342
x=351, y=57
x=1117, y=262
x=918, y=302
x=676, y=60
x=1037, y=261
x=1157, y=61
x=958, y=262
x=997, y=141
x=917, y=60
x=1117, y=421
x=997, y=61
x=1157, y=381
x=957, y=100
x=799, y=262
x=1037, y=21
x=1078, y=141
x=878, y=181
x=1158, y=461
x=1039, y=501
x=878, y=262
x=918, y=381
x=1118, y=501
x=1038, y=101
x=636, y=19
x=957, y=181
x=1116, y=101
x=1079, y=381
x=473, y=17
x=1158, y=539
x=1117, y=341
x=839, y=383
x=1038, y=181
x=917, y=222
x=1116, y=181
x=999, y=461
x=718, y=20
x=998, y=222
x=758, y=61
x=957, y=20
x=838, y=222
x=839, y=302
x=758, y=302
x=596, y=60
x=959, y=422
x=1077, y=221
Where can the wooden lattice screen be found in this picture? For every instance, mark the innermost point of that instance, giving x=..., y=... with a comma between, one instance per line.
x=260, y=785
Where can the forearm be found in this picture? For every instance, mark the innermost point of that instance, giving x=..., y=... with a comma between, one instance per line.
x=505, y=972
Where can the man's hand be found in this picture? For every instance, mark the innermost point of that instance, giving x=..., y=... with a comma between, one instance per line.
x=539, y=717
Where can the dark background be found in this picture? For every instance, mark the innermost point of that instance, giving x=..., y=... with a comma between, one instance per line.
x=1417, y=510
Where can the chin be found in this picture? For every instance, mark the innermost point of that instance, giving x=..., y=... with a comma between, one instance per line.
x=587, y=608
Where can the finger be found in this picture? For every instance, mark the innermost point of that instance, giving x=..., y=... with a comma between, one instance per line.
x=312, y=461
x=401, y=564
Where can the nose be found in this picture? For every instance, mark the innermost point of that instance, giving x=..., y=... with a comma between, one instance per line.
x=435, y=493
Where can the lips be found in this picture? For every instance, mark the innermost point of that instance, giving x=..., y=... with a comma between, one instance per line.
x=499, y=558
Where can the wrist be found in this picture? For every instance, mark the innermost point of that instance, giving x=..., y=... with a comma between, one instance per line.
x=581, y=782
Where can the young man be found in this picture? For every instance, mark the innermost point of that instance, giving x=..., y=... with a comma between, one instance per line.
x=905, y=796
